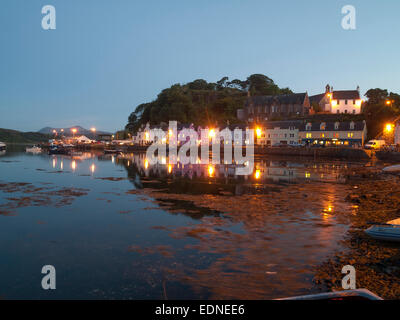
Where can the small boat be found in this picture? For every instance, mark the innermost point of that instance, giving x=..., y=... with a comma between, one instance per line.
x=392, y=169
x=389, y=231
x=59, y=150
x=357, y=294
x=3, y=146
x=111, y=151
x=34, y=149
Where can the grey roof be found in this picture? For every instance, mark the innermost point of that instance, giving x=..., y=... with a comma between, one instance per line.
x=295, y=98
x=330, y=126
x=316, y=98
x=346, y=94
x=282, y=124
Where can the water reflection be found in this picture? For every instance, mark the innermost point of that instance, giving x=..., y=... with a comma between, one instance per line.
x=264, y=169
x=205, y=231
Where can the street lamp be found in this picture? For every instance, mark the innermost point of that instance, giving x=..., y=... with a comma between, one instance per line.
x=258, y=132
x=389, y=127
x=73, y=132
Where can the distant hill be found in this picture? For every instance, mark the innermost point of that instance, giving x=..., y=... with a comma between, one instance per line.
x=14, y=136
x=67, y=131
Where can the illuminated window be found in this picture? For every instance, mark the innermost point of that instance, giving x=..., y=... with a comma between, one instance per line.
x=350, y=135
x=308, y=135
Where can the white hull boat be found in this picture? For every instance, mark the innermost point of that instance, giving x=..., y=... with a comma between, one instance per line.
x=2, y=146
x=357, y=294
x=34, y=149
x=389, y=231
x=392, y=169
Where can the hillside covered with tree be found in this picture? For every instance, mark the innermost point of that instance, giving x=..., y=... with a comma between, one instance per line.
x=380, y=108
x=201, y=102
x=14, y=136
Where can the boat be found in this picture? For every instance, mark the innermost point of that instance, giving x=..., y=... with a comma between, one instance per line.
x=356, y=294
x=59, y=150
x=389, y=231
x=392, y=169
x=34, y=149
x=111, y=151
x=3, y=146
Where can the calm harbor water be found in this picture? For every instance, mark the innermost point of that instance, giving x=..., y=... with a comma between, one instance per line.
x=116, y=227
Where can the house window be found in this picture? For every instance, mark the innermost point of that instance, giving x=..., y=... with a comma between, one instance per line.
x=322, y=135
x=336, y=125
x=308, y=126
x=354, y=111
x=350, y=134
x=345, y=111
x=354, y=101
x=308, y=135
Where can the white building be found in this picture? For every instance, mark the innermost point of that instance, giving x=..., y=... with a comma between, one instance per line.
x=278, y=132
x=343, y=101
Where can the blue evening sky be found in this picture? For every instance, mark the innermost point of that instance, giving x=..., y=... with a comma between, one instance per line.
x=106, y=57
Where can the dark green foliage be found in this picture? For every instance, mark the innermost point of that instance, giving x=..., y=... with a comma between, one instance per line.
x=202, y=103
x=13, y=136
x=377, y=112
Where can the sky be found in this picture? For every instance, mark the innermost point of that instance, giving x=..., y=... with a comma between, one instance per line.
x=106, y=57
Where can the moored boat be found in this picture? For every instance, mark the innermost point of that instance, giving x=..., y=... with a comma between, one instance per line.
x=389, y=231
x=34, y=149
x=112, y=151
x=3, y=146
x=392, y=169
x=357, y=294
x=59, y=150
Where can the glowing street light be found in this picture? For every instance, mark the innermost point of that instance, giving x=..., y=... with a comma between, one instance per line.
x=73, y=132
x=93, y=130
x=257, y=174
x=389, y=127
x=211, y=133
x=258, y=132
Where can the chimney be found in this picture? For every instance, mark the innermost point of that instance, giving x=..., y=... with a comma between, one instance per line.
x=327, y=88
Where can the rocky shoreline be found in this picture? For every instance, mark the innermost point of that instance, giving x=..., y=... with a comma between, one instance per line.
x=376, y=198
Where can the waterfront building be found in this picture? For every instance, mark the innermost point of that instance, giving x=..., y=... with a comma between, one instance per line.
x=348, y=133
x=262, y=108
x=343, y=101
x=271, y=133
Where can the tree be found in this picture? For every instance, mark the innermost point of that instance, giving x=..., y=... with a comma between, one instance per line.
x=200, y=102
x=378, y=112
